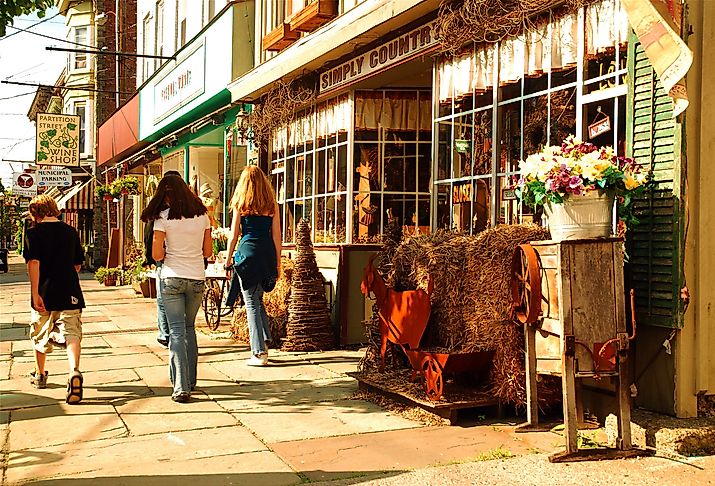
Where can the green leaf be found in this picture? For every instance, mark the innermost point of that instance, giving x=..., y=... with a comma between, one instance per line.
x=41, y=156
x=51, y=133
x=71, y=126
x=45, y=144
x=66, y=144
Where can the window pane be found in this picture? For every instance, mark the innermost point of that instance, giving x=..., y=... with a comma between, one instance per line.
x=424, y=168
x=444, y=151
x=482, y=143
x=562, y=119
x=366, y=219
x=443, y=220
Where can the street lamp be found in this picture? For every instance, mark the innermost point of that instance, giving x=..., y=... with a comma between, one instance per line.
x=101, y=19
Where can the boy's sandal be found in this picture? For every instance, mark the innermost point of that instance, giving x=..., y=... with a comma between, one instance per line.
x=74, y=388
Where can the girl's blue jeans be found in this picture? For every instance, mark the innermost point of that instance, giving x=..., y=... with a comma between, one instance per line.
x=182, y=299
x=258, y=324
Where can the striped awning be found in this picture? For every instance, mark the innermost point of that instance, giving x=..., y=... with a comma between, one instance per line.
x=81, y=196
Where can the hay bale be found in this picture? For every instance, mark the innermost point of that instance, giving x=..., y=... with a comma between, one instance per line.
x=471, y=301
x=276, y=303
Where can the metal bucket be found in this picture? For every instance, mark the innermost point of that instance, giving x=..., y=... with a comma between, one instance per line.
x=589, y=216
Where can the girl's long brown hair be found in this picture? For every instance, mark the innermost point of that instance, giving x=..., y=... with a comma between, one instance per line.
x=174, y=193
x=253, y=194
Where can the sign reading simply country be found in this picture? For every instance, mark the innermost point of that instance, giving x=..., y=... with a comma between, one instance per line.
x=392, y=52
x=57, y=139
x=54, y=177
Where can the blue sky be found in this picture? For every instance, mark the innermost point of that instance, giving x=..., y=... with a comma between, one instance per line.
x=23, y=58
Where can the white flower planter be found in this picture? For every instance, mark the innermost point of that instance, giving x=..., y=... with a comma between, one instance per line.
x=589, y=216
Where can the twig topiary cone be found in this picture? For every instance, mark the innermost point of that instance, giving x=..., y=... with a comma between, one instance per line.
x=309, y=327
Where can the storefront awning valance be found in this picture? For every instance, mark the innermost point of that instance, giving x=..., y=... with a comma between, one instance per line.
x=80, y=196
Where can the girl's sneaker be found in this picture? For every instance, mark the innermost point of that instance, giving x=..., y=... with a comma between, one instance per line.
x=37, y=380
x=258, y=360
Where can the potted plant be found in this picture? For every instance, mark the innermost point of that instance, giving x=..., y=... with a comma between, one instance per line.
x=577, y=184
x=103, y=191
x=125, y=185
x=108, y=276
x=219, y=240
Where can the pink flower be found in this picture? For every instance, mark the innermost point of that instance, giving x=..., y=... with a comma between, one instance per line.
x=575, y=182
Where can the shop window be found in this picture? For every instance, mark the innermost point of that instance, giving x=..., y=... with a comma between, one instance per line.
x=537, y=105
x=206, y=179
x=309, y=167
x=392, y=142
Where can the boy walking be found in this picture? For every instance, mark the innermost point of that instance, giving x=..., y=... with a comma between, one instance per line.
x=54, y=256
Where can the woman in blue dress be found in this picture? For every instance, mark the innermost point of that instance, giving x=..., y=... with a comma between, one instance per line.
x=257, y=259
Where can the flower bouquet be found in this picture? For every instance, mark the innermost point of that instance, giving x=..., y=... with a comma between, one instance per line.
x=561, y=177
x=219, y=239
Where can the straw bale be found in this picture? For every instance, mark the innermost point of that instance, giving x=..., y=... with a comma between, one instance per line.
x=471, y=301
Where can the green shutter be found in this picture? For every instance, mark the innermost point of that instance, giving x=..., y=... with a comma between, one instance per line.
x=655, y=246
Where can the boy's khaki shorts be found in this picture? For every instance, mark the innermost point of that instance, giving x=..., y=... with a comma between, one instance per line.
x=59, y=325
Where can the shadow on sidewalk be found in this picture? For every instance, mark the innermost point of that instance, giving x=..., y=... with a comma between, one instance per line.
x=262, y=478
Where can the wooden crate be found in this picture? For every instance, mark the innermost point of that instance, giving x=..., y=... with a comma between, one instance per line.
x=280, y=38
x=315, y=14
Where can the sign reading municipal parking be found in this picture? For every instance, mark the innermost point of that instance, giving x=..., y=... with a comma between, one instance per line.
x=380, y=57
x=57, y=139
x=24, y=184
x=54, y=177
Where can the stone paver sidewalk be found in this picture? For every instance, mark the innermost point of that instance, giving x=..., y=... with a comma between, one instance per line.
x=292, y=422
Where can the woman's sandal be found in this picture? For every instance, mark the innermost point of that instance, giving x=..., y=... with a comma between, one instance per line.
x=74, y=388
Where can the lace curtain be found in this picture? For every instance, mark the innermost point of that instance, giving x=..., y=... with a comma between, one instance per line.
x=394, y=110
x=326, y=119
x=551, y=46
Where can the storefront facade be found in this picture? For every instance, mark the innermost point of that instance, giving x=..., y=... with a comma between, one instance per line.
x=178, y=118
x=396, y=129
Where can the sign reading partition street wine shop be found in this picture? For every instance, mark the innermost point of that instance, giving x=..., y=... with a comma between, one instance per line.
x=57, y=139
x=390, y=53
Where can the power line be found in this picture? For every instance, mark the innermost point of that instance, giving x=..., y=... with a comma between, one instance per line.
x=50, y=37
x=77, y=88
x=29, y=27
x=18, y=95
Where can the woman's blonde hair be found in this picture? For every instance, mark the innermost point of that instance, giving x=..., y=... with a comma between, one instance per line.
x=253, y=194
x=43, y=206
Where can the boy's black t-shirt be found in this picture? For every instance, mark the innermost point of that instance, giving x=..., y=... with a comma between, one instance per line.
x=57, y=247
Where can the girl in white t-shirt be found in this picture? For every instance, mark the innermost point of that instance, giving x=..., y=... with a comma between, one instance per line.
x=182, y=239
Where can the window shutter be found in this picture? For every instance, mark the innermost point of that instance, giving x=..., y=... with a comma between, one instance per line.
x=656, y=244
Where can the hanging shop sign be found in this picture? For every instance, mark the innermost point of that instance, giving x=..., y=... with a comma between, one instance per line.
x=388, y=54
x=57, y=139
x=24, y=184
x=599, y=127
x=180, y=85
x=54, y=177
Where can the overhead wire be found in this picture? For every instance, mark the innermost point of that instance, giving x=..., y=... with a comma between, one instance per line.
x=51, y=37
x=29, y=27
x=18, y=95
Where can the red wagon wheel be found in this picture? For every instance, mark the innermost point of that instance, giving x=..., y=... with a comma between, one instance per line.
x=526, y=284
x=434, y=384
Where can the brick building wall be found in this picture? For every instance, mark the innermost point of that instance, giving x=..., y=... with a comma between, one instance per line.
x=106, y=101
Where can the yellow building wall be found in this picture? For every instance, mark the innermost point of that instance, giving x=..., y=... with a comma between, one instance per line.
x=695, y=361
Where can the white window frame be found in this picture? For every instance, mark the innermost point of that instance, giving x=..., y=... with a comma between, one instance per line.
x=73, y=57
x=147, y=46
x=159, y=28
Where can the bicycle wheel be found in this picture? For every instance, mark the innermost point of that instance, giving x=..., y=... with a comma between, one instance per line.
x=211, y=304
